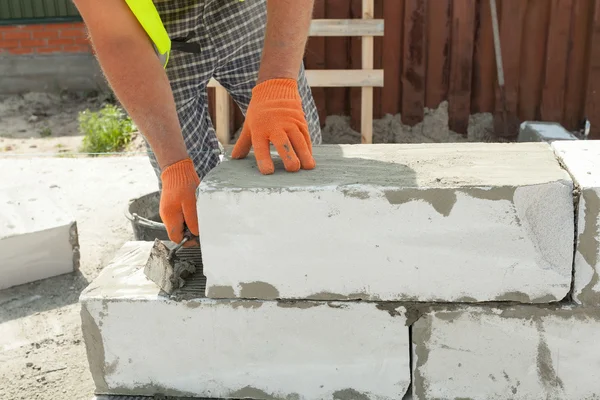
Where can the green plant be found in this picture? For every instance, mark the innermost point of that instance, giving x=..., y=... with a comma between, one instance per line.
x=46, y=132
x=105, y=131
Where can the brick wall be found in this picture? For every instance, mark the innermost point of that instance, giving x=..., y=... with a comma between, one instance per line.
x=49, y=38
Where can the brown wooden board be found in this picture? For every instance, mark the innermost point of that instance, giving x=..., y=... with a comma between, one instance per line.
x=511, y=28
x=355, y=63
x=484, y=64
x=592, y=105
x=314, y=58
x=413, y=65
x=392, y=56
x=378, y=62
x=337, y=55
x=576, y=63
x=439, y=20
x=533, y=58
x=463, y=29
x=557, y=51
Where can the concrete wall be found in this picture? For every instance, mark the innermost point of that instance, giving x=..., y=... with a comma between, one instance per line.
x=283, y=284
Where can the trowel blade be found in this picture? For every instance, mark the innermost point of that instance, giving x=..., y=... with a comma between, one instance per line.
x=160, y=270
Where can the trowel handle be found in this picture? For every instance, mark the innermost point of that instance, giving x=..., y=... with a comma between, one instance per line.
x=187, y=236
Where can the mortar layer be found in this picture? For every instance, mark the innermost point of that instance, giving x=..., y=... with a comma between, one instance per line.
x=401, y=165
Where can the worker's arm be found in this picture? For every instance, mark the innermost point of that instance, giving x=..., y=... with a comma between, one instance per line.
x=275, y=113
x=288, y=24
x=139, y=81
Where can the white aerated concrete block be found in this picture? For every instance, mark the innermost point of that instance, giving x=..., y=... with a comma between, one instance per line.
x=523, y=352
x=582, y=160
x=537, y=131
x=38, y=237
x=141, y=342
x=434, y=222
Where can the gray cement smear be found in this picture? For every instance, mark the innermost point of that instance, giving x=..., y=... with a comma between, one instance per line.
x=350, y=394
x=301, y=305
x=250, y=392
x=258, y=290
x=395, y=166
x=588, y=244
x=221, y=292
x=421, y=334
x=545, y=367
x=443, y=200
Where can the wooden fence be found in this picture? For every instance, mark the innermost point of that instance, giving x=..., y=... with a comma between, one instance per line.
x=436, y=50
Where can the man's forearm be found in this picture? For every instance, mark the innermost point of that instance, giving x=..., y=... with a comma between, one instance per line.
x=136, y=76
x=288, y=25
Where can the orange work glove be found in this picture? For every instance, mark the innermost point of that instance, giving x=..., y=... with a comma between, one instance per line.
x=178, y=200
x=275, y=116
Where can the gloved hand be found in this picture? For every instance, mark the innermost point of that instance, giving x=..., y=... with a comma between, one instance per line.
x=275, y=116
x=178, y=200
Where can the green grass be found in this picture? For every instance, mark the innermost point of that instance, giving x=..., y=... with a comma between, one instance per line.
x=105, y=131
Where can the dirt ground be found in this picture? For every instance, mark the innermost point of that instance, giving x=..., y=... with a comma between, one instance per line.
x=42, y=354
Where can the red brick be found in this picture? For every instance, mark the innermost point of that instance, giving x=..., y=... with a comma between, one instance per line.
x=59, y=26
x=8, y=28
x=74, y=33
x=33, y=43
x=49, y=49
x=60, y=42
x=76, y=49
x=9, y=44
x=45, y=34
x=34, y=27
x=21, y=50
x=18, y=34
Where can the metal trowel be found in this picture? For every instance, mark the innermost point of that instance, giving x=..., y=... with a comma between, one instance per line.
x=165, y=268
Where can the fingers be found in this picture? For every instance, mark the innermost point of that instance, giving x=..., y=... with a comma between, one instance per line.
x=243, y=144
x=286, y=151
x=262, y=153
x=190, y=214
x=302, y=149
x=173, y=220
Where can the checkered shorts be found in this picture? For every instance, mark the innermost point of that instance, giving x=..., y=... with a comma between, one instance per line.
x=230, y=34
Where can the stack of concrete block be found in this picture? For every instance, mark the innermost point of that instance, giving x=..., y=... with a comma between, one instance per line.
x=437, y=271
x=38, y=236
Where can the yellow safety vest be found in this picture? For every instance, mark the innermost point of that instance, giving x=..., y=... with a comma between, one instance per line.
x=149, y=19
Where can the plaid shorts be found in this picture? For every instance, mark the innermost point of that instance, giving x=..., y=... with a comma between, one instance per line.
x=230, y=34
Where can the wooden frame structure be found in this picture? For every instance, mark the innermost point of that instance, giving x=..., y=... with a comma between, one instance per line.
x=366, y=78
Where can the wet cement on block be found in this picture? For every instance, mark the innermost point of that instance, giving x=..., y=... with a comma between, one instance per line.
x=400, y=166
x=195, y=287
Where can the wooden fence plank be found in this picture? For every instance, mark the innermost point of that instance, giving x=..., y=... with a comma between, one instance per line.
x=535, y=31
x=315, y=59
x=378, y=62
x=511, y=28
x=346, y=27
x=355, y=63
x=413, y=71
x=366, y=129
x=463, y=29
x=592, y=105
x=576, y=64
x=337, y=57
x=439, y=18
x=484, y=64
x=392, y=62
x=553, y=94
